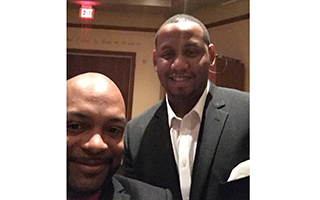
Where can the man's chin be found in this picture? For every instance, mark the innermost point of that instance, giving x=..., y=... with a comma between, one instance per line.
x=80, y=185
x=84, y=187
x=78, y=188
x=78, y=191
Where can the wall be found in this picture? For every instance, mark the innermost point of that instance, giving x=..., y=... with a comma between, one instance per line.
x=146, y=83
x=232, y=39
x=128, y=19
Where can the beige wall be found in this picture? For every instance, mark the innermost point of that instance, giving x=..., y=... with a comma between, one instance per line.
x=230, y=40
x=146, y=82
x=118, y=18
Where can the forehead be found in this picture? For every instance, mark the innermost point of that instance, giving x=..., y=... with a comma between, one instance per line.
x=94, y=102
x=180, y=30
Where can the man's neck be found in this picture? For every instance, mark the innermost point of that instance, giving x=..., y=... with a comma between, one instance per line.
x=181, y=108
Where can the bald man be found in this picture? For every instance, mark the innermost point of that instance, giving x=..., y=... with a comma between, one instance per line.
x=95, y=126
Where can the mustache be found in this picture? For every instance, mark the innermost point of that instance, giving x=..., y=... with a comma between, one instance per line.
x=174, y=74
x=90, y=160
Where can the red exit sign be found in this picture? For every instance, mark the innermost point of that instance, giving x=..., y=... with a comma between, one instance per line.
x=86, y=12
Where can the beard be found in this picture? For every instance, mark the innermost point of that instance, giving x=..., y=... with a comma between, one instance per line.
x=85, y=186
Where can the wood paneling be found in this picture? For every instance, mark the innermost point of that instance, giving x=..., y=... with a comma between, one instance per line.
x=228, y=73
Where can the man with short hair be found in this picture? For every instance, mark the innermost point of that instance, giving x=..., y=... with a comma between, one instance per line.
x=95, y=125
x=190, y=141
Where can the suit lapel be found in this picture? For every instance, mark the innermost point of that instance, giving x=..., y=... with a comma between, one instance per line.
x=119, y=191
x=211, y=127
x=155, y=159
x=113, y=190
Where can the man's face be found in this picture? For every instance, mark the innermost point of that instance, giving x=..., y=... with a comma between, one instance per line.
x=95, y=125
x=182, y=60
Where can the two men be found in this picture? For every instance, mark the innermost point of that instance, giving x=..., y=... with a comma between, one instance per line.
x=192, y=140
x=95, y=126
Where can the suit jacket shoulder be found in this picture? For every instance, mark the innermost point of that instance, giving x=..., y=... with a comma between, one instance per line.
x=229, y=96
x=138, y=190
x=137, y=125
x=146, y=115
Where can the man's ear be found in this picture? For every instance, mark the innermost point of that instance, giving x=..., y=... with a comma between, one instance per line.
x=154, y=60
x=212, y=54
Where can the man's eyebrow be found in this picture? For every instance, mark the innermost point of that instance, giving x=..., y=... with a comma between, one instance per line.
x=78, y=114
x=86, y=117
x=166, y=46
x=118, y=119
x=192, y=44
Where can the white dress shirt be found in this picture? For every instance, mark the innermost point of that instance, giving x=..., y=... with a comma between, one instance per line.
x=184, y=136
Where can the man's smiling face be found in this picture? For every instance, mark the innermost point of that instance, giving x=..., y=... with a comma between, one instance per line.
x=95, y=126
x=182, y=60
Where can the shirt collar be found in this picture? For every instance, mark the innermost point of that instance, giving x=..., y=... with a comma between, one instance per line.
x=198, y=108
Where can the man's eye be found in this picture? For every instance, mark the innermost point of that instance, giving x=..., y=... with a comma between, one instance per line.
x=167, y=55
x=191, y=53
x=75, y=128
x=114, y=131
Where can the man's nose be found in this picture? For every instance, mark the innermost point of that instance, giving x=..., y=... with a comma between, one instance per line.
x=179, y=63
x=95, y=144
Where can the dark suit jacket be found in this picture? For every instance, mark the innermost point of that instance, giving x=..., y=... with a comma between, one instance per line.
x=223, y=143
x=124, y=188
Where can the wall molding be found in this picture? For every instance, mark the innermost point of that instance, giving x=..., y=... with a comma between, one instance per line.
x=228, y=21
x=153, y=30
x=117, y=28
